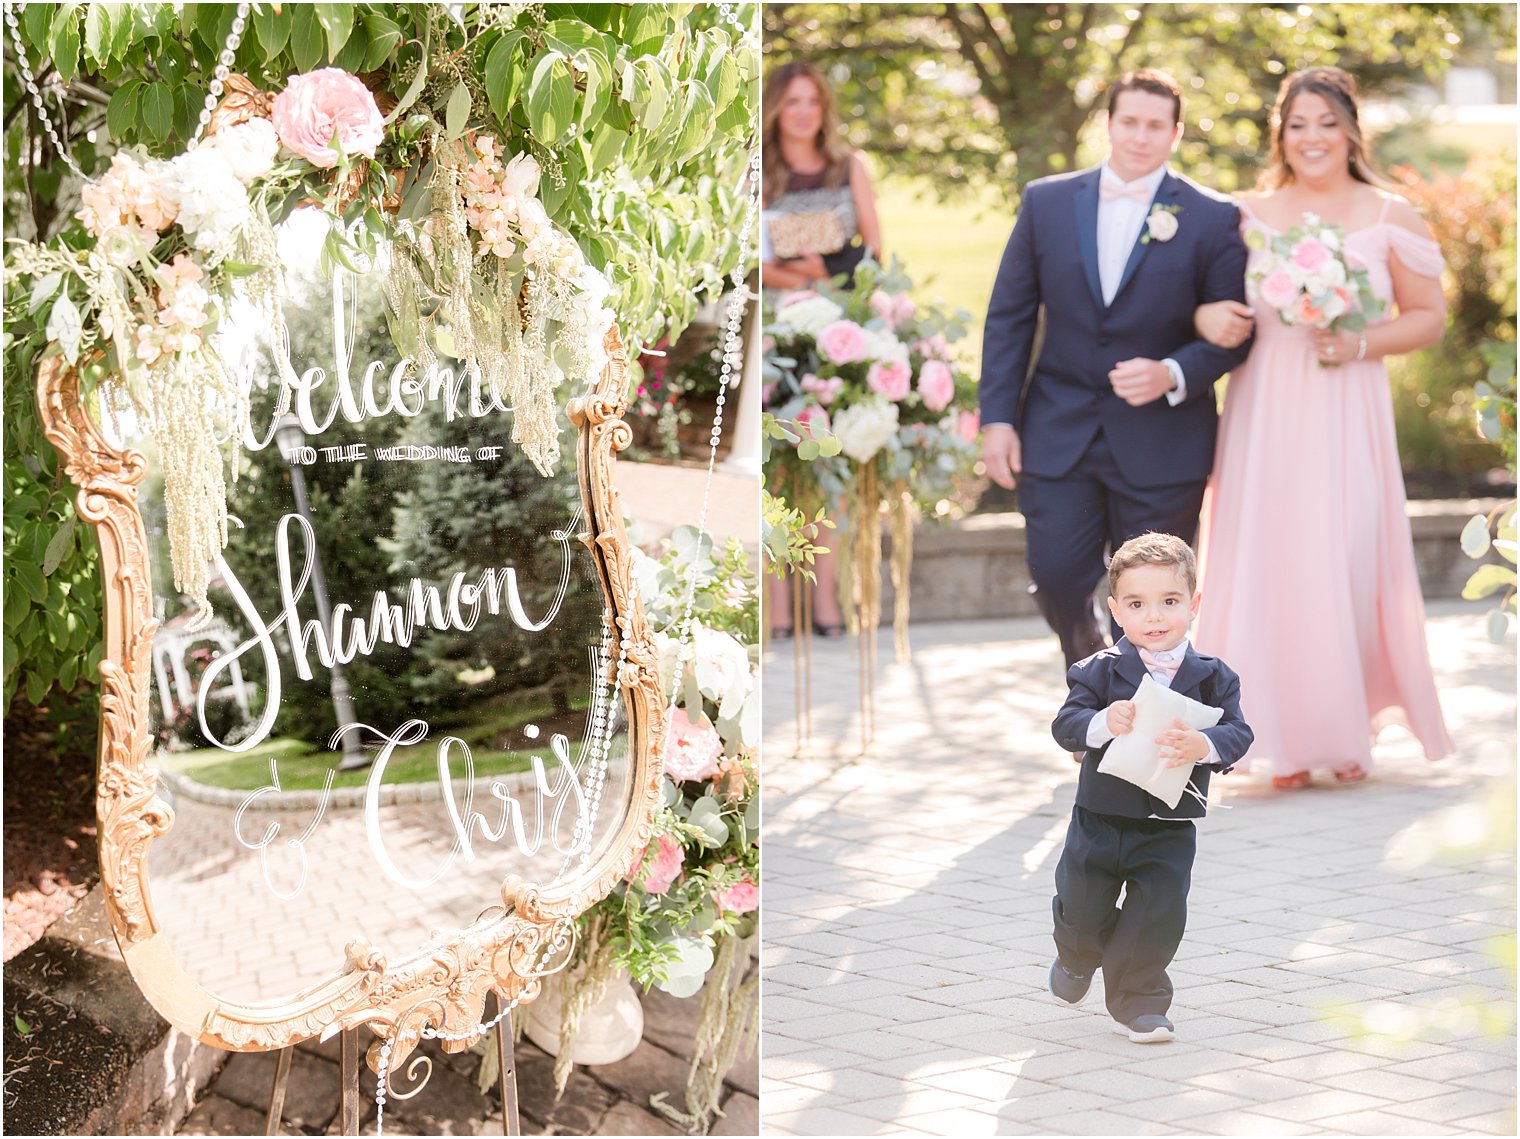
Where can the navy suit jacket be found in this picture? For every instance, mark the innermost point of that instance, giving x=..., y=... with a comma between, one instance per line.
x=1115, y=674
x=1051, y=263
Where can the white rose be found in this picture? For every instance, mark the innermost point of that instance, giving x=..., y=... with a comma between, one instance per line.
x=722, y=669
x=882, y=345
x=810, y=315
x=213, y=204
x=864, y=428
x=1162, y=225
x=1333, y=272
x=250, y=148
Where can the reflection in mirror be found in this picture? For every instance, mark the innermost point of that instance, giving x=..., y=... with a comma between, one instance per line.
x=404, y=695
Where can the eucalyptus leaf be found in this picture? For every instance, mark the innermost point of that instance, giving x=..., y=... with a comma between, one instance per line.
x=1497, y=625
x=1475, y=536
x=1488, y=579
x=456, y=115
x=65, y=327
x=45, y=287
x=682, y=976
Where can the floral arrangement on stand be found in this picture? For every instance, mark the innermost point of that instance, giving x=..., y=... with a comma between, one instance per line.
x=874, y=369
x=686, y=917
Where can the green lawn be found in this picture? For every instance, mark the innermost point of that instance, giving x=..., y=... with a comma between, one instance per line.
x=951, y=251
x=303, y=766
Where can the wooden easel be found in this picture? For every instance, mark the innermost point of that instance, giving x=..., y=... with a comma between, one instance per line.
x=511, y=1121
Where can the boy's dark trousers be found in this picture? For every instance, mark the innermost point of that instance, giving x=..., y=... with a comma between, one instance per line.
x=1153, y=860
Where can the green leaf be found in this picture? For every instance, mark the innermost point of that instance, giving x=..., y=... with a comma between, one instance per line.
x=384, y=34
x=593, y=65
x=504, y=74
x=551, y=98
x=808, y=450
x=45, y=287
x=64, y=42
x=97, y=33
x=22, y=1027
x=646, y=28
x=17, y=606
x=1486, y=580
x=1475, y=536
x=305, y=38
x=158, y=110
x=337, y=22
x=723, y=81
x=456, y=115
x=58, y=546
x=39, y=682
x=30, y=578
x=572, y=35
x=121, y=112
x=607, y=144
x=273, y=28
x=698, y=116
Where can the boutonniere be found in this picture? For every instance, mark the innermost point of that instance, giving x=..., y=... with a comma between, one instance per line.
x=1161, y=223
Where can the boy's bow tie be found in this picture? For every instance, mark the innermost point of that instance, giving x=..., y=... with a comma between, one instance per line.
x=1168, y=662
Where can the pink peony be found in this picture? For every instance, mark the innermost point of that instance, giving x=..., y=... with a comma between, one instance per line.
x=827, y=390
x=933, y=348
x=322, y=105
x=666, y=867
x=892, y=378
x=843, y=342
x=968, y=425
x=1310, y=254
x=1279, y=289
x=894, y=310
x=813, y=422
x=691, y=749
x=742, y=897
x=936, y=385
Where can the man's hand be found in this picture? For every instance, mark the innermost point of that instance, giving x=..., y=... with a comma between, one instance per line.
x=1182, y=745
x=1139, y=381
x=1002, y=454
x=810, y=265
x=1121, y=717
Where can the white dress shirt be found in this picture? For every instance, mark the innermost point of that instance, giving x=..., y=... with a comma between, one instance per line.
x=1097, y=728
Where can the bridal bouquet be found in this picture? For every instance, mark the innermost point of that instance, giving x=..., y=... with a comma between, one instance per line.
x=1308, y=280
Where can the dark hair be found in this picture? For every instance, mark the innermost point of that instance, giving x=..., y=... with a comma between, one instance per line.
x=1153, y=549
x=830, y=142
x=1338, y=89
x=1149, y=80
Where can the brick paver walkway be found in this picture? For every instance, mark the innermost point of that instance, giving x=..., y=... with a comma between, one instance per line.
x=907, y=930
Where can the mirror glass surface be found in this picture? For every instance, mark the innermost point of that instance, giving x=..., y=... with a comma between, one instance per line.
x=400, y=698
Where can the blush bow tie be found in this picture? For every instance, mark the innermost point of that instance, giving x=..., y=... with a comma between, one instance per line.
x=1111, y=189
x=1161, y=662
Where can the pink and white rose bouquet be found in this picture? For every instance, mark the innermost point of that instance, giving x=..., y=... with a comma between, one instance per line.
x=1305, y=277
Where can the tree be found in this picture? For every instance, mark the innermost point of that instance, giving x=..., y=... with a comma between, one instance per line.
x=640, y=116
x=970, y=95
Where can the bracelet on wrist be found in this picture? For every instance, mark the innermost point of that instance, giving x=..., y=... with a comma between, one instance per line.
x=1361, y=345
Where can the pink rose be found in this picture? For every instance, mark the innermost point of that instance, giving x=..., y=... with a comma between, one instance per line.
x=843, y=342
x=742, y=897
x=894, y=310
x=827, y=390
x=1310, y=254
x=691, y=749
x=813, y=422
x=892, y=378
x=666, y=867
x=1279, y=289
x=323, y=104
x=968, y=425
x=936, y=384
x=933, y=348
x=795, y=298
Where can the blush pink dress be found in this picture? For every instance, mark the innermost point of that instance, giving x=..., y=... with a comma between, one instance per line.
x=1308, y=575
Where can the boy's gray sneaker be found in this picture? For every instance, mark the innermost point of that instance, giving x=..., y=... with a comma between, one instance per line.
x=1066, y=985
x=1152, y=1028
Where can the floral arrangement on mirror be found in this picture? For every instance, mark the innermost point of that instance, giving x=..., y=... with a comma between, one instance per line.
x=685, y=918
x=871, y=370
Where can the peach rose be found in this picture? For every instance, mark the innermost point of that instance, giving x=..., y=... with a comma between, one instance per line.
x=322, y=105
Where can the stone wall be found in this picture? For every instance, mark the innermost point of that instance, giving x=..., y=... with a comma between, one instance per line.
x=974, y=569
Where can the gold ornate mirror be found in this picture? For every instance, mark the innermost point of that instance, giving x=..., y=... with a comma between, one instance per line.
x=415, y=737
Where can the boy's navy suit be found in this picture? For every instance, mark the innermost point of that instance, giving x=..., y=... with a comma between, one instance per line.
x=1121, y=836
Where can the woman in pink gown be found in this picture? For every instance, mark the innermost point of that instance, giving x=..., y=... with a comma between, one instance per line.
x=1308, y=574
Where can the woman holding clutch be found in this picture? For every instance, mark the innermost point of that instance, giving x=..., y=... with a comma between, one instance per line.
x=819, y=223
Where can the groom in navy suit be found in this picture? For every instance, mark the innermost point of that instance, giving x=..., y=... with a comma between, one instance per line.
x=1110, y=427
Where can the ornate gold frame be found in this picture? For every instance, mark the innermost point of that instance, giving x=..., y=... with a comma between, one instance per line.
x=443, y=984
